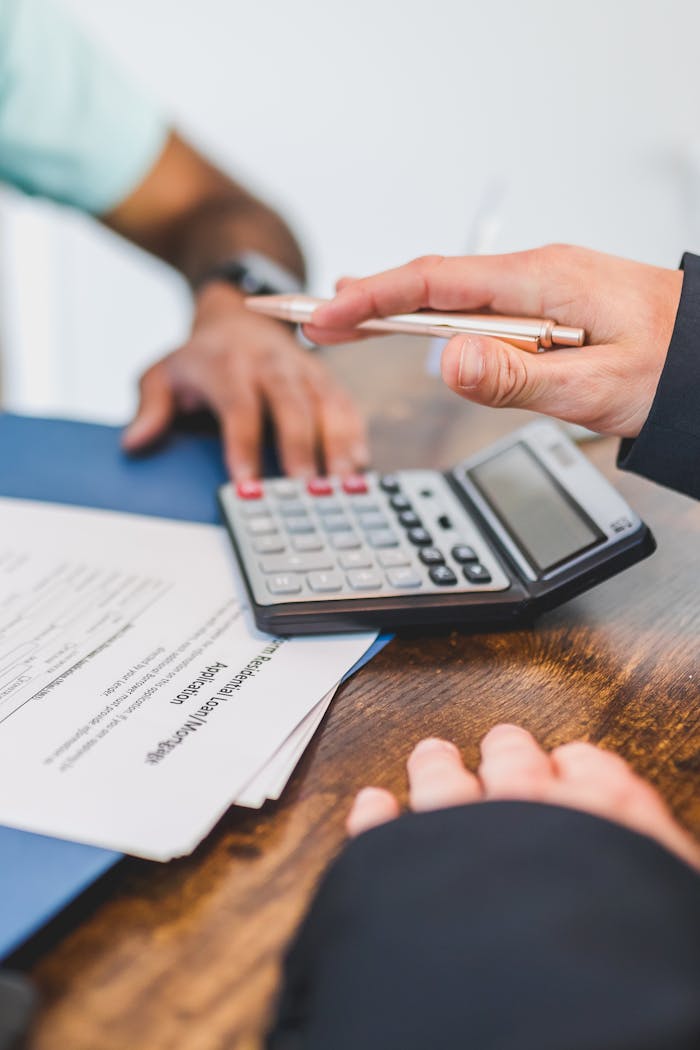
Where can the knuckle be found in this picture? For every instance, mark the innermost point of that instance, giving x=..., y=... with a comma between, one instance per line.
x=556, y=250
x=236, y=402
x=426, y=264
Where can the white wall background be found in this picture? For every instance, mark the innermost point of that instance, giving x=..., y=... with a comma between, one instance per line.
x=382, y=129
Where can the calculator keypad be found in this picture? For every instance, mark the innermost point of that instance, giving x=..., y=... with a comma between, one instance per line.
x=326, y=539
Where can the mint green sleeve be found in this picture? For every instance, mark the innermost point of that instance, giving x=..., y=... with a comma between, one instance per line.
x=73, y=127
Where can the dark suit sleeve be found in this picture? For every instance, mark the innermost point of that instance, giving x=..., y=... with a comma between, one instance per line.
x=497, y=926
x=667, y=449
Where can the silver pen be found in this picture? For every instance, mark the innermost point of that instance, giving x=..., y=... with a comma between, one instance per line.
x=533, y=334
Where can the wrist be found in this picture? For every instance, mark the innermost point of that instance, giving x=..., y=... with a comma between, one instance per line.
x=254, y=273
x=217, y=297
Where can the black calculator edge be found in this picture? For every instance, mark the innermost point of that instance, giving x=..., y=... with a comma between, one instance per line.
x=635, y=548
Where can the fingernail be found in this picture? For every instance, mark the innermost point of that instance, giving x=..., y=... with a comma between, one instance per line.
x=367, y=794
x=360, y=455
x=132, y=434
x=433, y=743
x=471, y=364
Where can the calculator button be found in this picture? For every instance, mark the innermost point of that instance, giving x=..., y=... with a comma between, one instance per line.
x=409, y=519
x=337, y=523
x=404, y=578
x=400, y=502
x=310, y=542
x=320, y=487
x=300, y=526
x=373, y=521
x=463, y=554
x=330, y=506
x=284, y=583
x=431, y=556
x=255, y=509
x=363, y=504
x=382, y=538
x=249, y=490
x=389, y=483
x=356, y=560
x=325, y=581
x=355, y=484
x=421, y=537
x=296, y=563
x=443, y=575
x=262, y=526
x=285, y=488
x=269, y=544
x=391, y=559
x=292, y=508
x=345, y=541
x=365, y=580
x=477, y=573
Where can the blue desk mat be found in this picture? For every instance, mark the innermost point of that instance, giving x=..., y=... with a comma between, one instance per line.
x=63, y=461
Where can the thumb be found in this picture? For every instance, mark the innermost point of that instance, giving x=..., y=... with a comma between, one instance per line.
x=155, y=410
x=495, y=373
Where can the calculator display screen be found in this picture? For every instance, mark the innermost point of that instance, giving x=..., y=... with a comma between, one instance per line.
x=546, y=523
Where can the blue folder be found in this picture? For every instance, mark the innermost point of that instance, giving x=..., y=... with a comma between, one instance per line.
x=81, y=463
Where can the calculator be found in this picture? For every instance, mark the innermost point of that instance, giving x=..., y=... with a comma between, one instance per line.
x=522, y=526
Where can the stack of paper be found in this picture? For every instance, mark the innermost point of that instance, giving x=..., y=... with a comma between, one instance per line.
x=137, y=699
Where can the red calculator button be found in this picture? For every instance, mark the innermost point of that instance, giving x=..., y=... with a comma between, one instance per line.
x=320, y=487
x=354, y=485
x=249, y=490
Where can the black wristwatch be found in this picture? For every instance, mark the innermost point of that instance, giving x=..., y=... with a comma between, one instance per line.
x=254, y=274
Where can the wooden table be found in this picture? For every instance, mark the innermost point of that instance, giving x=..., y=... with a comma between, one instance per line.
x=187, y=955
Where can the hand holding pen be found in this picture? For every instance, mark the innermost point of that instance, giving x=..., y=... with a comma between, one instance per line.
x=534, y=334
x=627, y=310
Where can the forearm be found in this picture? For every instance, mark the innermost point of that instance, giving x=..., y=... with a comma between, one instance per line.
x=194, y=216
x=224, y=226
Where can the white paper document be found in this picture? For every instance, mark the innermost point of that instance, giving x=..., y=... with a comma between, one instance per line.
x=137, y=698
x=269, y=783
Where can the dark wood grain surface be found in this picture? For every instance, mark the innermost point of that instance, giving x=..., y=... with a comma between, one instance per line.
x=187, y=955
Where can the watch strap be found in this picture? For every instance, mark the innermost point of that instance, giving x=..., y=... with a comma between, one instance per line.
x=253, y=273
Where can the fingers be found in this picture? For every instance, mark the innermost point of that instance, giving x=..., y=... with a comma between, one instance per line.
x=332, y=336
x=437, y=777
x=600, y=782
x=343, y=434
x=513, y=765
x=155, y=410
x=580, y=760
x=343, y=282
x=372, y=807
x=240, y=418
x=293, y=412
x=578, y=385
x=512, y=284
x=314, y=418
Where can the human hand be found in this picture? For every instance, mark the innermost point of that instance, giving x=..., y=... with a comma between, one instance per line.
x=628, y=310
x=514, y=766
x=241, y=366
